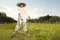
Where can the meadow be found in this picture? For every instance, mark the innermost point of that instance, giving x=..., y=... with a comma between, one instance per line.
x=36, y=31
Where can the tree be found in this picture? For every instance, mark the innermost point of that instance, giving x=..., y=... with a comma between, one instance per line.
x=5, y=19
x=46, y=19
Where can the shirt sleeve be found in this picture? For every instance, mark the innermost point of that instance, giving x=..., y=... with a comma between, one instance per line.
x=26, y=13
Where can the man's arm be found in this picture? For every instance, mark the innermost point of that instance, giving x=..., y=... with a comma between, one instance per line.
x=28, y=16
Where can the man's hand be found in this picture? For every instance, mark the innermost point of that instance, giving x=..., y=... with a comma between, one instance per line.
x=29, y=17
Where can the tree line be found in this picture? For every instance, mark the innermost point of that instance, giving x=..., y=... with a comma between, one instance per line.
x=46, y=19
x=5, y=19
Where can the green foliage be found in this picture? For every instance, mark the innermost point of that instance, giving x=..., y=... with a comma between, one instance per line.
x=2, y=14
x=5, y=19
x=46, y=19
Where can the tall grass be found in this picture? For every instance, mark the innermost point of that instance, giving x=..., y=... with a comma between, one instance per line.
x=36, y=31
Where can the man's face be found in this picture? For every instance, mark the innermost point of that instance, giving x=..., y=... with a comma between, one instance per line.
x=21, y=6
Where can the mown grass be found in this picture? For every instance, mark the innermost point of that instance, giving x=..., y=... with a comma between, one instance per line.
x=36, y=31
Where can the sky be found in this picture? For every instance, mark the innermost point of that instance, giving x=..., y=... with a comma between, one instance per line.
x=35, y=8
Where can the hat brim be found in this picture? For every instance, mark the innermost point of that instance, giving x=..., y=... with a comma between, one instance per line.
x=19, y=4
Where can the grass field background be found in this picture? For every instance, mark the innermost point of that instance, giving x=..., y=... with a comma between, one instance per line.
x=36, y=31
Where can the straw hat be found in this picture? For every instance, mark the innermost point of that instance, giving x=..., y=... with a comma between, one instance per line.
x=19, y=4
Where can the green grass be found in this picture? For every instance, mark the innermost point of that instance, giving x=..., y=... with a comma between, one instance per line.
x=36, y=31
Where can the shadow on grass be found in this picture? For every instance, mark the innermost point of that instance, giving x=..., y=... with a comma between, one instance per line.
x=35, y=34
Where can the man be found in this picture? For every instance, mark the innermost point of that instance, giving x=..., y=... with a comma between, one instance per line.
x=22, y=16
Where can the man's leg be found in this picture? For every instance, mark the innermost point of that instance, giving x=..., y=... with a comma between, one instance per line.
x=17, y=27
x=24, y=26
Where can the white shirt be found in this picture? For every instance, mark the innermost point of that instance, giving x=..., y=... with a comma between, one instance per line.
x=23, y=13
